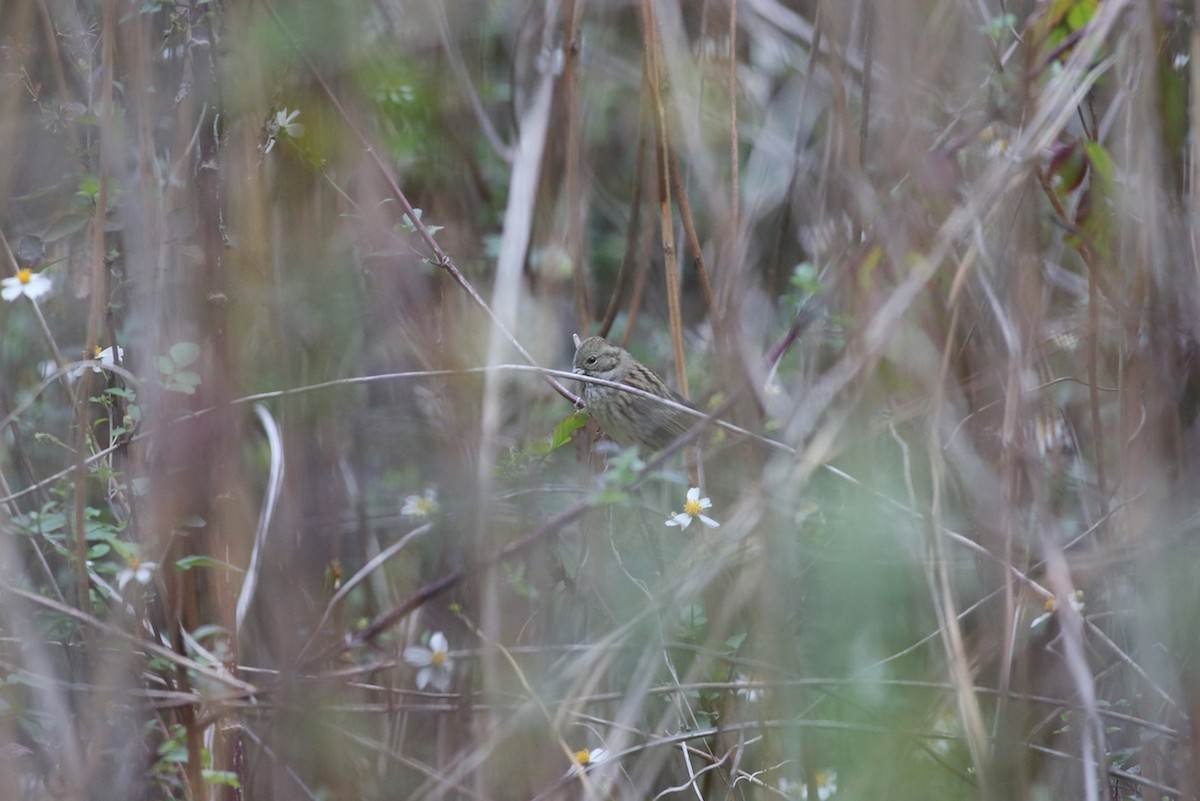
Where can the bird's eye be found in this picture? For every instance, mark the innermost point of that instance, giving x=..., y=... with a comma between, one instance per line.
x=591, y=359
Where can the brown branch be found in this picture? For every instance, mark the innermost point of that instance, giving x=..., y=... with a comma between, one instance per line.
x=98, y=301
x=573, y=168
x=662, y=151
x=689, y=231
x=639, y=290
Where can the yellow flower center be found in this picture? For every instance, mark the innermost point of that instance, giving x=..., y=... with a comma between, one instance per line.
x=692, y=508
x=96, y=355
x=25, y=275
x=134, y=563
x=583, y=756
x=1051, y=602
x=438, y=659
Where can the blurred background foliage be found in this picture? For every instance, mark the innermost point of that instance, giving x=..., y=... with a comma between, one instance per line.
x=289, y=511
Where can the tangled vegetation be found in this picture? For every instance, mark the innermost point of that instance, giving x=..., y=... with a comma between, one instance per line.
x=299, y=499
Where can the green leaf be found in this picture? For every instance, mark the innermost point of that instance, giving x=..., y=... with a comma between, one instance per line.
x=612, y=496
x=564, y=430
x=64, y=227
x=184, y=353
x=164, y=365
x=222, y=777
x=1101, y=160
x=515, y=573
x=184, y=383
x=1081, y=14
x=89, y=187
x=210, y=630
x=562, y=434
x=126, y=550
x=624, y=467
x=188, y=562
x=43, y=436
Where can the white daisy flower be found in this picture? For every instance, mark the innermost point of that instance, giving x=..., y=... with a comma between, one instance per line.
x=746, y=691
x=1052, y=604
x=421, y=506
x=693, y=508
x=434, y=665
x=104, y=356
x=138, y=571
x=26, y=282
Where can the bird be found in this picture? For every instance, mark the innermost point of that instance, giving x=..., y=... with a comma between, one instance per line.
x=628, y=418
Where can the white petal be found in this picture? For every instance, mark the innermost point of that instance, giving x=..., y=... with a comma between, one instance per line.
x=693, y=494
x=38, y=285
x=418, y=656
x=708, y=521
x=106, y=356
x=423, y=676
x=441, y=677
x=437, y=643
x=12, y=289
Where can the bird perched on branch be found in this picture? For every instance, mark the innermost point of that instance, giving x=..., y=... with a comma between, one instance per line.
x=626, y=417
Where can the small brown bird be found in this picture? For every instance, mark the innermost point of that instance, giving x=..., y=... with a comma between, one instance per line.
x=629, y=419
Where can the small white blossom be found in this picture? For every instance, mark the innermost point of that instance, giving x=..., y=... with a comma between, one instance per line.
x=746, y=691
x=826, y=786
x=1052, y=604
x=285, y=121
x=693, y=508
x=789, y=788
x=104, y=356
x=283, y=124
x=433, y=664
x=138, y=571
x=422, y=506
x=585, y=759
x=26, y=282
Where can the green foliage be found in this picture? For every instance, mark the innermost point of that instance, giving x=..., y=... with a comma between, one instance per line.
x=171, y=367
x=561, y=435
x=407, y=226
x=193, y=561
